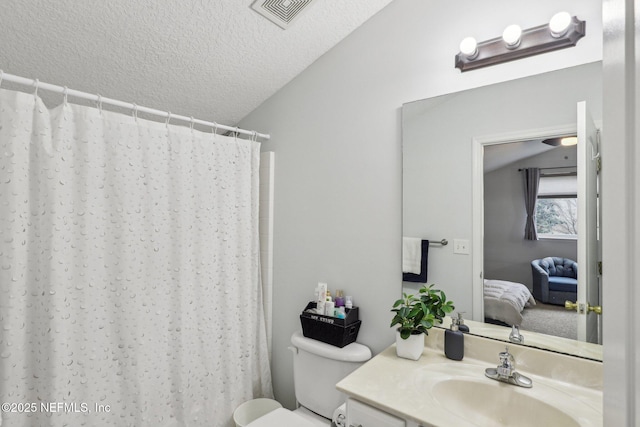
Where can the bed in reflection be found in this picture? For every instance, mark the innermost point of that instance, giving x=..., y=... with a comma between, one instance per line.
x=504, y=301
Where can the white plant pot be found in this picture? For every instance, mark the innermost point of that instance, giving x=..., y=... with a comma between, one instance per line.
x=411, y=348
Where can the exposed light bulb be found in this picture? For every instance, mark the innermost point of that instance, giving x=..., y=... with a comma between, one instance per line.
x=469, y=47
x=559, y=24
x=511, y=36
x=569, y=140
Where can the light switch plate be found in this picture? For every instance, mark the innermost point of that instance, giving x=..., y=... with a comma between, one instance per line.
x=461, y=246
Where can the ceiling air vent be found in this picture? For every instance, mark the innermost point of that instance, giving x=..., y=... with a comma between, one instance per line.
x=281, y=12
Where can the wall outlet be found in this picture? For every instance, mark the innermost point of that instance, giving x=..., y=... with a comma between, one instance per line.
x=461, y=246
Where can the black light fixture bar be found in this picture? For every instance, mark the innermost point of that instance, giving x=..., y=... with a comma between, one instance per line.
x=533, y=41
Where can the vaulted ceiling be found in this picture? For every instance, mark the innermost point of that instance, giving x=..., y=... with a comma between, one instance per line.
x=214, y=60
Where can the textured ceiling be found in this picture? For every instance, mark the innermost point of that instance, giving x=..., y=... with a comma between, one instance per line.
x=214, y=60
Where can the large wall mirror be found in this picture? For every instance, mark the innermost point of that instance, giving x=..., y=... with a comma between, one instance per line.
x=465, y=158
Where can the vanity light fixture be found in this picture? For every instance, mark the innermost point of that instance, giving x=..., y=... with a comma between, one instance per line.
x=469, y=47
x=512, y=36
x=559, y=24
x=561, y=32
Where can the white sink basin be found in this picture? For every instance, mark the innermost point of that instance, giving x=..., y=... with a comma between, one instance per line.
x=497, y=404
x=436, y=391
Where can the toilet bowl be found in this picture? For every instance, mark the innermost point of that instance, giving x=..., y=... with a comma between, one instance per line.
x=317, y=368
x=285, y=418
x=311, y=418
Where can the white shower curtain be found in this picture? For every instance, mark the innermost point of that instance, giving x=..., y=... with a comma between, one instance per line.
x=129, y=272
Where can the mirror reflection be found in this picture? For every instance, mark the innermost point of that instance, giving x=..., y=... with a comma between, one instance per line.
x=515, y=254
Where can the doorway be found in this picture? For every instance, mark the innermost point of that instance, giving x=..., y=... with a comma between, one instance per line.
x=510, y=285
x=587, y=302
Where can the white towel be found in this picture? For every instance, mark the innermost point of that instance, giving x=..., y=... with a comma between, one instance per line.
x=411, y=255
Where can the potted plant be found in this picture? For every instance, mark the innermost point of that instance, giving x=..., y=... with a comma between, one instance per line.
x=415, y=315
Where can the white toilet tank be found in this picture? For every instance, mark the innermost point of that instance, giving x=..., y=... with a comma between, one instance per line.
x=318, y=367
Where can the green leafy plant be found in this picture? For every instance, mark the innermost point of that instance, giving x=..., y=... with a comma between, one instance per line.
x=417, y=314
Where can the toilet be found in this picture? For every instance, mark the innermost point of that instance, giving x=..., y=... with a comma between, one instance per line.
x=317, y=367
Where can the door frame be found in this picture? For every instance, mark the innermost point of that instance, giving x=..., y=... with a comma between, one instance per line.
x=477, y=193
x=621, y=240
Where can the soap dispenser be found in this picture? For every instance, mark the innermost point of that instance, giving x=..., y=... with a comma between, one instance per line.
x=461, y=326
x=454, y=342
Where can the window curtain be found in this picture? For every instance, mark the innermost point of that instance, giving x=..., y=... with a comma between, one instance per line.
x=531, y=184
x=130, y=287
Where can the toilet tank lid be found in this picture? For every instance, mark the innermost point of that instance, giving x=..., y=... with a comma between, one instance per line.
x=353, y=352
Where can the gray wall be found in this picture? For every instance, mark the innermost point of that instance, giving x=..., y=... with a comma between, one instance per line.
x=336, y=132
x=507, y=255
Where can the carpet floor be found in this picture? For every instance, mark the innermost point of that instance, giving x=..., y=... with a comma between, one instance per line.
x=551, y=320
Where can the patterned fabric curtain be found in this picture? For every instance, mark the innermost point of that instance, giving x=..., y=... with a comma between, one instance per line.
x=531, y=184
x=129, y=270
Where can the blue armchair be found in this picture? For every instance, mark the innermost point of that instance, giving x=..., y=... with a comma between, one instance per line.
x=555, y=280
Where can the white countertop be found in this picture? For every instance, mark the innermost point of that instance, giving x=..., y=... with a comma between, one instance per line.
x=403, y=387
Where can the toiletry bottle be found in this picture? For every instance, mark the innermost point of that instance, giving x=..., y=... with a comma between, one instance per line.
x=329, y=295
x=461, y=326
x=322, y=291
x=329, y=308
x=339, y=298
x=322, y=297
x=454, y=342
x=348, y=301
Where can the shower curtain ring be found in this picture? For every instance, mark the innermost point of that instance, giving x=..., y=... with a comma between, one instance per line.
x=99, y=103
x=168, y=119
x=191, y=126
x=1, y=76
x=135, y=111
x=254, y=136
x=65, y=93
x=236, y=134
x=36, y=83
x=215, y=129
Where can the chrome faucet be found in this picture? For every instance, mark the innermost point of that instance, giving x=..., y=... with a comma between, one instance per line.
x=515, y=336
x=506, y=371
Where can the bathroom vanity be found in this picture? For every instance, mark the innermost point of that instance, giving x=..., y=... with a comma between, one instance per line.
x=434, y=391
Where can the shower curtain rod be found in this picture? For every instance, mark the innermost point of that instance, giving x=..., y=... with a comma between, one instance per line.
x=136, y=108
